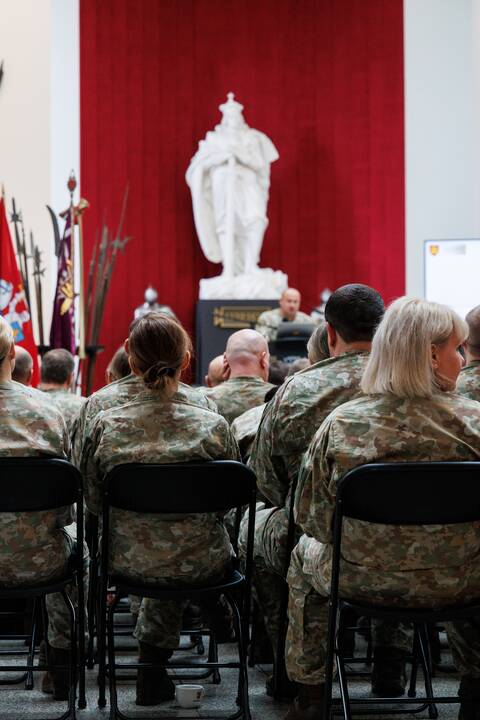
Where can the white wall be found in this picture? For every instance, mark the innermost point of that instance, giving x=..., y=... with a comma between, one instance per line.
x=442, y=126
x=39, y=117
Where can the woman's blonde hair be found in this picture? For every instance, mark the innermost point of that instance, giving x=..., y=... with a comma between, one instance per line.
x=6, y=338
x=317, y=346
x=400, y=361
x=158, y=345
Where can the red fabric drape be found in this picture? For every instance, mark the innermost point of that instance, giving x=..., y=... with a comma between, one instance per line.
x=322, y=78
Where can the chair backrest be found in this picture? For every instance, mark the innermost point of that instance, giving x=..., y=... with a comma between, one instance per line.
x=180, y=488
x=423, y=493
x=38, y=483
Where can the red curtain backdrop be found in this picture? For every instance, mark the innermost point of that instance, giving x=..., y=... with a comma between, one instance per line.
x=322, y=78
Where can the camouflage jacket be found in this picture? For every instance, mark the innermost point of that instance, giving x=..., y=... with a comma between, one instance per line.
x=468, y=382
x=268, y=322
x=69, y=405
x=245, y=427
x=32, y=545
x=293, y=416
x=150, y=429
x=385, y=428
x=118, y=393
x=237, y=395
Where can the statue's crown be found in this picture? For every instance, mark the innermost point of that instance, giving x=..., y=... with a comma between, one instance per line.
x=231, y=107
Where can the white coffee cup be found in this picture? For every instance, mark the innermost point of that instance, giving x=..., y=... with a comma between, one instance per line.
x=189, y=696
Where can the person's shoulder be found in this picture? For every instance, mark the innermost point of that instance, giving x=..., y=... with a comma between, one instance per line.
x=269, y=315
x=302, y=317
x=30, y=401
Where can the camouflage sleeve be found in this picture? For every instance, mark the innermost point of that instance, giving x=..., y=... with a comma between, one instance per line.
x=88, y=465
x=264, y=327
x=232, y=451
x=269, y=467
x=315, y=493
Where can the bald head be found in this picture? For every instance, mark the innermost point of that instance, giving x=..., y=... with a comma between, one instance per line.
x=472, y=345
x=247, y=354
x=214, y=375
x=23, y=369
x=290, y=303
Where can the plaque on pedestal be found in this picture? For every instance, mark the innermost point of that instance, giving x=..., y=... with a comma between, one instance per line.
x=216, y=320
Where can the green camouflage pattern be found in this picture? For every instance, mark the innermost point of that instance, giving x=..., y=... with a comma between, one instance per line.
x=35, y=546
x=118, y=393
x=411, y=565
x=69, y=405
x=468, y=382
x=156, y=548
x=245, y=427
x=268, y=322
x=237, y=395
x=287, y=426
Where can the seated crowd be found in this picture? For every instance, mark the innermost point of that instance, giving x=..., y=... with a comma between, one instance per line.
x=394, y=385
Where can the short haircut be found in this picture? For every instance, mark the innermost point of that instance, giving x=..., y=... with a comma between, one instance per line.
x=400, y=362
x=57, y=366
x=473, y=339
x=354, y=312
x=23, y=365
x=119, y=367
x=277, y=372
x=6, y=338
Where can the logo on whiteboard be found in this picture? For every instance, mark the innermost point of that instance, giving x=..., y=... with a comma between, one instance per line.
x=434, y=249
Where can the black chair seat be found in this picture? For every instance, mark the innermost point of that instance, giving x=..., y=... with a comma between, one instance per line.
x=418, y=615
x=165, y=592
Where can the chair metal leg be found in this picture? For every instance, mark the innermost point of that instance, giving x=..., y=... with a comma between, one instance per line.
x=426, y=666
x=101, y=643
x=213, y=656
x=412, y=688
x=73, y=657
x=243, y=698
x=112, y=676
x=31, y=650
x=92, y=611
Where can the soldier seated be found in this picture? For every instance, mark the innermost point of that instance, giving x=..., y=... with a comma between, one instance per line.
x=35, y=547
x=159, y=425
x=409, y=412
x=246, y=362
x=57, y=379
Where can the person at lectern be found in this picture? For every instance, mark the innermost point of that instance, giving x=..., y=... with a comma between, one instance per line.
x=288, y=311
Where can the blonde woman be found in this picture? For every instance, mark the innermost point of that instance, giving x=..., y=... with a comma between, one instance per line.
x=409, y=413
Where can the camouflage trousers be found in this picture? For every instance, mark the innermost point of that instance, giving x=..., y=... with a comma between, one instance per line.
x=269, y=573
x=57, y=611
x=306, y=645
x=160, y=621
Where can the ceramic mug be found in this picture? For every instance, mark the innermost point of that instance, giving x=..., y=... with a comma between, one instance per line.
x=189, y=696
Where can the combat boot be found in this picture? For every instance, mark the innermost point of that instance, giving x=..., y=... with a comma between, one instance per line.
x=389, y=675
x=309, y=703
x=153, y=684
x=469, y=689
x=287, y=689
x=60, y=678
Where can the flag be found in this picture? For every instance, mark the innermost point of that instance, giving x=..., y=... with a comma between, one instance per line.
x=13, y=304
x=62, y=333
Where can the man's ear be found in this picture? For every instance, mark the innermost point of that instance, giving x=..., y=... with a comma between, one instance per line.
x=226, y=368
x=126, y=346
x=331, y=336
x=434, y=357
x=11, y=352
x=264, y=359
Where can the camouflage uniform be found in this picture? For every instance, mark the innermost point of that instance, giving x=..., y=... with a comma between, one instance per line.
x=35, y=546
x=118, y=393
x=237, y=395
x=413, y=565
x=69, y=405
x=268, y=322
x=245, y=427
x=468, y=382
x=155, y=548
x=288, y=424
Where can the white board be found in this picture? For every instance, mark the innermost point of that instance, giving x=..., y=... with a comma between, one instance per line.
x=452, y=273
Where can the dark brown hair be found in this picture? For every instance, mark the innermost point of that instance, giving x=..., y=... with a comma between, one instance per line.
x=158, y=345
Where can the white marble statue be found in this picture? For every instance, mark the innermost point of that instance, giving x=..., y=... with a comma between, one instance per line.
x=229, y=178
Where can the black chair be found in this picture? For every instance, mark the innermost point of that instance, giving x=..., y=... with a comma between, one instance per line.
x=183, y=488
x=433, y=493
x=36, y=485
x=291, y=341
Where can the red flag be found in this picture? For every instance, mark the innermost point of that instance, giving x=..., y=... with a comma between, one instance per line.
x=13, y=304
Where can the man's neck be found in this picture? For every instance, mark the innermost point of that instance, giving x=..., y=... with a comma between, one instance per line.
x=5, y=372
x=470, y=359
x=246, y=372
x=343, y=347
x=53, y=386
